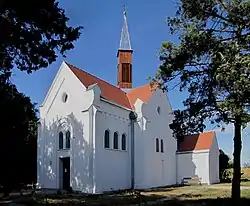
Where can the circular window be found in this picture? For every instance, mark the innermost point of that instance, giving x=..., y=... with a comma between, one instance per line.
x=64, y=97
x=158, y=110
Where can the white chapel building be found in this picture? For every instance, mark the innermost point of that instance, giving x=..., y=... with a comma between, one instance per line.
x=96, y=137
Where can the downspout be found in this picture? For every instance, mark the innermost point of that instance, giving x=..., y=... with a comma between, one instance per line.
x=91, y=143
x=176, y=162
x=176, y=167
x=93, y=113
x=132, y=117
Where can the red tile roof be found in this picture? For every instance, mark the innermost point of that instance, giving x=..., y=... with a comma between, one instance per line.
x=144, y=93
x=108, y=91
x=200, y=141
x=113, y=93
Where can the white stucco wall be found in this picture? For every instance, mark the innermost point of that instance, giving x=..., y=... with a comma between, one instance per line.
x=74, y=115
x=193, y=164
x=155, y=168
x=214, y=162
x=112, y=166
x=95, y=169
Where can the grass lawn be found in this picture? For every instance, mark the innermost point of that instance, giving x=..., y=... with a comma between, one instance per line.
x=206, y=195
x=188, y=195
x=246, y=172
x=197, y=192
x=200, y=195
x=242, y=184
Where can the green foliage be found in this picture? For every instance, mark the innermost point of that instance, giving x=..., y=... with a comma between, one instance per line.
x=212, y=63
x=226, y=174
x=223, y=165
x=18, y=126
x=230, y=164
x=31, y=35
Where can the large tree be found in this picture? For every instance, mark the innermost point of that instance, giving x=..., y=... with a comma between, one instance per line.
x=32, y=33
x=18, y=136
x=211, y=62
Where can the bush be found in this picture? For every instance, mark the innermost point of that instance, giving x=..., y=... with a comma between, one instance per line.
x=224, y=164
x=226, y=176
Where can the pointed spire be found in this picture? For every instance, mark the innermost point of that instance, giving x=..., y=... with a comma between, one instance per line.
x=125, y=39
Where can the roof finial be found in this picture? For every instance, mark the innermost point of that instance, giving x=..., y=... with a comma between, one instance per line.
x=125, y=40
x=124, y=8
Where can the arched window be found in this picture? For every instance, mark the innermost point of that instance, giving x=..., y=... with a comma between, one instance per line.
x=123, y=142
x=68, y=139
x=162, y=146
x=60, y=140
x=106, y=139
x=115, y=142
x=157, y=145
x=158, y=110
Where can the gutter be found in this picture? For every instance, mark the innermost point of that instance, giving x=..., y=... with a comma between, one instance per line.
x=115, y=104
x=132, y=117
x=193, y=151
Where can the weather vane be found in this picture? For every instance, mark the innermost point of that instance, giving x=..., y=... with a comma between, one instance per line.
x=124, y=7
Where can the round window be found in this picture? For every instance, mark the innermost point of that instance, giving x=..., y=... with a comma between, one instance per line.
x=64, y=97
x=158, y=110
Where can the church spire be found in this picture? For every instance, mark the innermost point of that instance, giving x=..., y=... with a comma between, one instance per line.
x=125, y=57
x=125, y=39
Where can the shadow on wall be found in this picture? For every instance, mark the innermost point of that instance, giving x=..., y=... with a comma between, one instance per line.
x=80, y=153
x=186, y=167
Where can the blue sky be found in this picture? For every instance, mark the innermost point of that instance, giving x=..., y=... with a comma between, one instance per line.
x=96, y=49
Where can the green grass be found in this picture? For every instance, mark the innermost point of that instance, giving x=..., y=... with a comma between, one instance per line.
x=242, y=184
x=198, y=192
x=188, y=195
x=246, y=173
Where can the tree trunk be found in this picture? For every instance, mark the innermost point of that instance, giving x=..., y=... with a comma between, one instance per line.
x=236, y=161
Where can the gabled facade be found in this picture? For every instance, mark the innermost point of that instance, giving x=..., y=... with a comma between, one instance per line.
x=93, y=118
x=198, y=156
x=96, y=137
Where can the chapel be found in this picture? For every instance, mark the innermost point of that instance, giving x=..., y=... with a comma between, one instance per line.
x=95, y=137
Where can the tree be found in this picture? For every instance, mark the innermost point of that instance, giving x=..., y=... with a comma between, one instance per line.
x=223, y=164
x=211, y=62
x=31, y=35
x=18, y=136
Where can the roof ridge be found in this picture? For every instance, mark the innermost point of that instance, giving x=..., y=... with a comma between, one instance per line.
x=95, y=77
x=210, y=131
x=138, y=87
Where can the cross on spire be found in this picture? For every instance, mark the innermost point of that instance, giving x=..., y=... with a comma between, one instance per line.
x=125, y=39
x=124, y=8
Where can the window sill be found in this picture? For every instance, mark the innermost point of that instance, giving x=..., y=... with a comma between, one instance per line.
x=117, y=150
x=65, y=149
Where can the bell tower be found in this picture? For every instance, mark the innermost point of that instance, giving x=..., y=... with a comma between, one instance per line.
x=124, y=55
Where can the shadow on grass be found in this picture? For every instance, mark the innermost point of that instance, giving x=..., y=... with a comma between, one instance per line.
x=122, y=198
x=206, y=202
x=127, y=197
x=120, y=201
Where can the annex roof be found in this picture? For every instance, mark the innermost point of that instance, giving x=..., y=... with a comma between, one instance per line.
x=200, y=141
